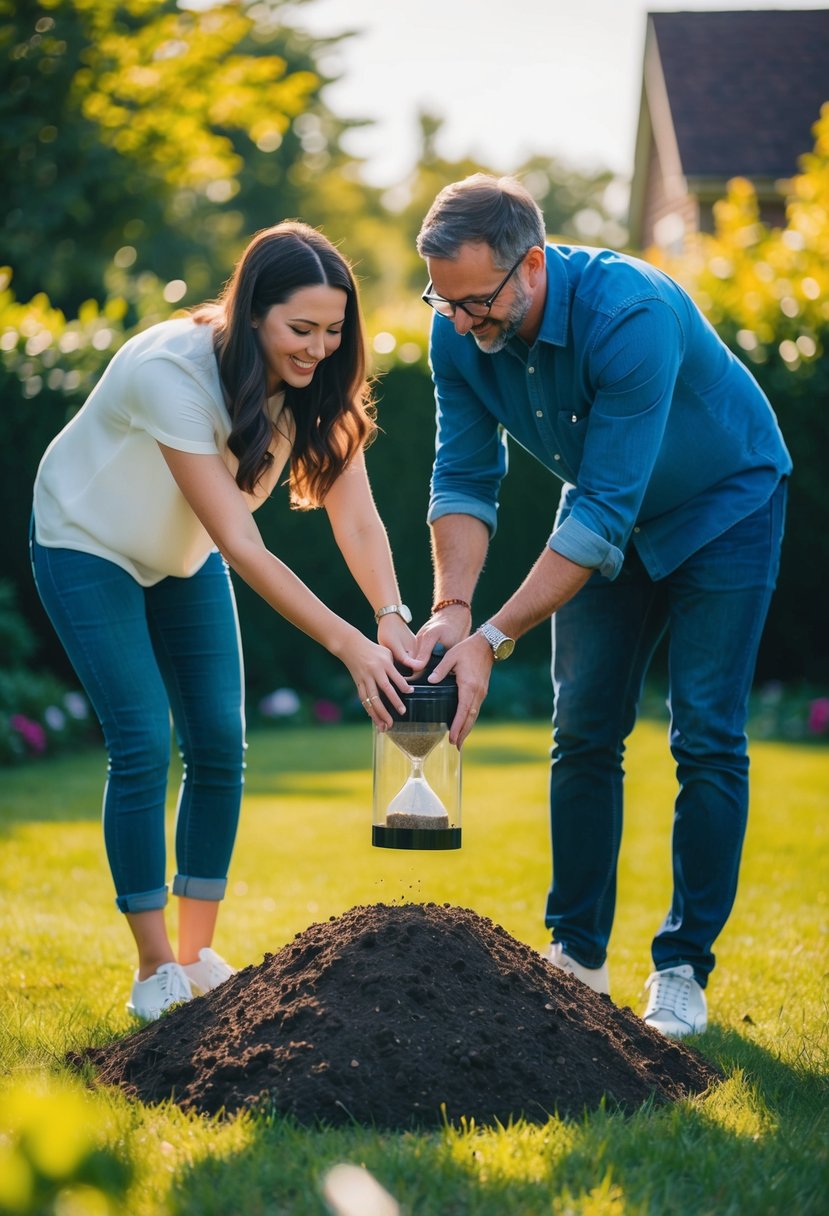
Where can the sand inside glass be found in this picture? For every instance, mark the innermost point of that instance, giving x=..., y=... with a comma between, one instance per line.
x=416, y=805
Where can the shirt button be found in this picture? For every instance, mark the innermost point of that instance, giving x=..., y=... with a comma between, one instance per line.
x=637, y=529
x=531, y=370
x=539, y=413
x=556, y=456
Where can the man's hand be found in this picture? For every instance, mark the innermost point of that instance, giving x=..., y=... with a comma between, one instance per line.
x=445, y=628
x=471, y=661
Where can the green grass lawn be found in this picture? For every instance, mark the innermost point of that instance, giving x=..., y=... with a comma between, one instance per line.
x=759, y=1143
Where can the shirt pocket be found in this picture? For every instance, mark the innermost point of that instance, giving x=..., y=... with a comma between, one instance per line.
x=571, y=432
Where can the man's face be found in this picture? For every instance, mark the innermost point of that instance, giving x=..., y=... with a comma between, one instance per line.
x=473, y=275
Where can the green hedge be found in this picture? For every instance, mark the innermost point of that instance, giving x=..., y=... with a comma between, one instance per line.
x=793, y=649
x=795, y=642
x=41, y=388
x=399, y=462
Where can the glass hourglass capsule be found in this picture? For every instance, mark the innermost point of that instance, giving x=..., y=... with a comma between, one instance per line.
x=417, y=772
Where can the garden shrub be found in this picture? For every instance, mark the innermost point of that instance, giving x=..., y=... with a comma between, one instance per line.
x=39, y=714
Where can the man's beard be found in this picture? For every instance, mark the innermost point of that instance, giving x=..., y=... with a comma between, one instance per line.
x=507, y=326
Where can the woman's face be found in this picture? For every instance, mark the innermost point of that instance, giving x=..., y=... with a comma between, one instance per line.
x=297, y=334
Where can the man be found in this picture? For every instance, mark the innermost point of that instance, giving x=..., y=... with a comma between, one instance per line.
x=670, y=521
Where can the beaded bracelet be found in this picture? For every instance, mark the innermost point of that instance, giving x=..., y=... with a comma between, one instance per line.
x=448, y=604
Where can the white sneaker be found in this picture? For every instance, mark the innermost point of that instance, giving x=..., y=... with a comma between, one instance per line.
x=596, y=978
x=210, y=971
x=676, y=1004
x=151, y=997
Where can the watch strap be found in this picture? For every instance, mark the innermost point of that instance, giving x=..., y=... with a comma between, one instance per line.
x=400, y=609
x=502, y=645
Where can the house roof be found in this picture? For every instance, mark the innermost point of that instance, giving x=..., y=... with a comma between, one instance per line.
x=744, y=88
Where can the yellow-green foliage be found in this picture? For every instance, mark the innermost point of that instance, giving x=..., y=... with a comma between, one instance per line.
x=135, y=76
x=53, y=1155
x=770, y=284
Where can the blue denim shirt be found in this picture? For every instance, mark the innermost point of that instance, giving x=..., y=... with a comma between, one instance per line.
x=662, y=436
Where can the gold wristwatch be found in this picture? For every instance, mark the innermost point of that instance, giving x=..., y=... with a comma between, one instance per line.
x=502, y=646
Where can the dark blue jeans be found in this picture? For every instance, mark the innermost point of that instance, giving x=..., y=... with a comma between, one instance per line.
x=713, y=609
x=140, y=653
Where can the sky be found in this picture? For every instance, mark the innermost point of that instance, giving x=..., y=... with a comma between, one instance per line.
x=511, y=78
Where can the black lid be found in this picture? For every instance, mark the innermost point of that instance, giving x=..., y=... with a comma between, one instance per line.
x=427, y=702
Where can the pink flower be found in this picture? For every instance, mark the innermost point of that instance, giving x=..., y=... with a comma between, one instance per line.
x=818, y=720
x=32, y=733
x=327, y=711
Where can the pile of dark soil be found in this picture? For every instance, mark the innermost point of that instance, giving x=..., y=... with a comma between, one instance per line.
x=390, y=1015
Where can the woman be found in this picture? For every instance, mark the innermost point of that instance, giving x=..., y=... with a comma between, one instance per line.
x=140, y=506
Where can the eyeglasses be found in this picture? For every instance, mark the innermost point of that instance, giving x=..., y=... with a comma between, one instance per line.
x=472, y=307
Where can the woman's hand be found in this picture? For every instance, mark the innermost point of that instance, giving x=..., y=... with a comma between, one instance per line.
x=392, y=631
x=375, y=675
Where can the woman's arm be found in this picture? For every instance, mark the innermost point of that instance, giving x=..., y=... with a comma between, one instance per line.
x=362, y=540
x=211, y=491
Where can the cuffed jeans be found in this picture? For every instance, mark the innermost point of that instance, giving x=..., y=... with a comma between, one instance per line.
x=713, y=609
x=141, y=652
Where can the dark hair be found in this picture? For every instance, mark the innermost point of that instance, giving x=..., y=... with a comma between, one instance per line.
x=482, y=210
x=333, y=416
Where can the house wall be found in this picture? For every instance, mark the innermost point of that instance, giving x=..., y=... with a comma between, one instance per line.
x=670, y=220
x=668, y=217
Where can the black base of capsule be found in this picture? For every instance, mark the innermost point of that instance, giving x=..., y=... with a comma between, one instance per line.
x=431, y=839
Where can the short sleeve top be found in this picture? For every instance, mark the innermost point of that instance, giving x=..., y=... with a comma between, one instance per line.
x=103, y=486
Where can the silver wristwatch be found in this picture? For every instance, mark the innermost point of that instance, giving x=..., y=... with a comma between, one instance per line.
x=400, y=609
x=502, y=646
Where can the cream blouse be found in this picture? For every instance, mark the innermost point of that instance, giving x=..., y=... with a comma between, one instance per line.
x=103, y=486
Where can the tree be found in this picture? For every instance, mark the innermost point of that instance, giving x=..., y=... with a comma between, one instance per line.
x=148, y=142
x=578, y=207
x=135, y=124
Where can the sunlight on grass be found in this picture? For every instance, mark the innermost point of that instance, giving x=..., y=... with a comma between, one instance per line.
x=519, y=1152
x=737, y=1106
x=757, y=1143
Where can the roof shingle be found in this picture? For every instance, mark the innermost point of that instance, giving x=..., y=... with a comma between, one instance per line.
x=745, y=88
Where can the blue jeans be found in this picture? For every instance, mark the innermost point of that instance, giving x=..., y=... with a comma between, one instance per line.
x=713, y=609
x=141, y=652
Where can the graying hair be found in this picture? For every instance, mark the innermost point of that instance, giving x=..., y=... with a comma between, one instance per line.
x=482, y=210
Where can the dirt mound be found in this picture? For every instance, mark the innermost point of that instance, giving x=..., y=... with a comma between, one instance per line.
x=391, y=1014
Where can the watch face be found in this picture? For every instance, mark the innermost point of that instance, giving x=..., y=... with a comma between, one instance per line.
x=400, y=610
x=502, y=646
x=504, y=649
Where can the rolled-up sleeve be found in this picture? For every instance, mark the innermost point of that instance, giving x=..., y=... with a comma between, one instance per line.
x=573, y=540
x=471, y=449
x=633, y=365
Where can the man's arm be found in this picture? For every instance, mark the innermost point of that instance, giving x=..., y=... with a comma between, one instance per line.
x=552, y=581
x=459, y=546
